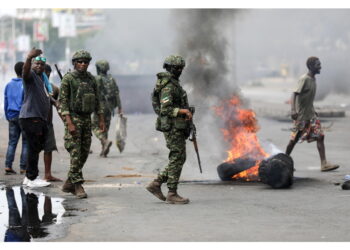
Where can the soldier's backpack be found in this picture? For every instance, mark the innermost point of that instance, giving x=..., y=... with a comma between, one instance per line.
x=108, y=89
x=111, y=92
x=163, y=123
x=163, y=79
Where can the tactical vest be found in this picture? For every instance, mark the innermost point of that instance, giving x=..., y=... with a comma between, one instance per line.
x=163, y=79
x=111, y=92
x=83, y=94
x=108, y=91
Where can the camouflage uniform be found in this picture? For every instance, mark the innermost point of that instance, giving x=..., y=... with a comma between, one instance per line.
x=172, y=98
x=109, y=96
x=78, y=145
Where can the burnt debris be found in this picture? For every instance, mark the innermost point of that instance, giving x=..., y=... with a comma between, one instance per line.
x=277, y=171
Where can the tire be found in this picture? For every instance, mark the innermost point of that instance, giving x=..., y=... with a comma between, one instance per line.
x=277, y=171
x=226, y=170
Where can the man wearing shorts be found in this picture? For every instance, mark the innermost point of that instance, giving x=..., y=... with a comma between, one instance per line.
x=307, y=126
x=50, y=141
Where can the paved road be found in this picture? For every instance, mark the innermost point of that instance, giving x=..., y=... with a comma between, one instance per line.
x=120, y=209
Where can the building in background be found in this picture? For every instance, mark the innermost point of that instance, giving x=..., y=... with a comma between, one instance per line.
x=56, y=31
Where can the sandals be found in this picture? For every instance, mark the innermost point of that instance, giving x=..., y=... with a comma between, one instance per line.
x=10, y=171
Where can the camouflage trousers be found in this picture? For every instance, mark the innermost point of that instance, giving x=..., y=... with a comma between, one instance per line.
x=78, y=146
x=95, y=128
x=176, y=143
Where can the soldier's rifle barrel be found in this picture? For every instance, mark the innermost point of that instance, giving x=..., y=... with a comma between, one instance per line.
x=197, y=152
x=195, y=144
x=58, y=71
x=194, y=138
x=60, y=75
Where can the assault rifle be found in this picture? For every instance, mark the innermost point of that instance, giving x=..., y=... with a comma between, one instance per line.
x=59, y=72
x=193, y=138
x=56, y=101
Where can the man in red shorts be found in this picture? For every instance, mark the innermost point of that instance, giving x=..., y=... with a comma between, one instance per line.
x=307, y=126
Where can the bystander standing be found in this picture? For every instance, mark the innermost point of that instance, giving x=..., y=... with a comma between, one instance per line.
x=13, y=102
x=34, y=114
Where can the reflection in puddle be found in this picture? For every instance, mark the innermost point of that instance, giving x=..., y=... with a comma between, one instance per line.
x=26, y=214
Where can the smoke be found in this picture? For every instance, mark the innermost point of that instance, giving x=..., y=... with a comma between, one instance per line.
x=270, y=148
x=203, y=38
x=134, y=41
x=267, y=39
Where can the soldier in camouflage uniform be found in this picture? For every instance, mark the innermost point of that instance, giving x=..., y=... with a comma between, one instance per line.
x=111, y=100
x=79, y=97
x=171, y=104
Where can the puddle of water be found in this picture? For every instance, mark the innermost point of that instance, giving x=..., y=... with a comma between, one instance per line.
x=25, y=215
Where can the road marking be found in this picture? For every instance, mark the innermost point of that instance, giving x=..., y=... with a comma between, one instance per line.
x=313, y=168
x=113, y=185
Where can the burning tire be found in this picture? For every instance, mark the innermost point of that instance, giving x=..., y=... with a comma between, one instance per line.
x=277, y=171
x=226, y=170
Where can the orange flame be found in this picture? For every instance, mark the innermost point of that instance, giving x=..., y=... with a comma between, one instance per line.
x=251, y=174
x=240, y=131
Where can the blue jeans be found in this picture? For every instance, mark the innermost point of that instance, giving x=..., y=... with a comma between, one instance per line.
x=17, y=227
x=14, y=133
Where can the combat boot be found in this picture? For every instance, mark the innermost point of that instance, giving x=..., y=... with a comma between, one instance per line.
x=154, y=188
x=106, y=147
x=174, y=198
x=68, y=187
x=103, y=146
x=79, y=191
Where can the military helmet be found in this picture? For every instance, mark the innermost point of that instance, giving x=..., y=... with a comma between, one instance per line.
x=81, y=54
x=174, y=60
x=102, y=65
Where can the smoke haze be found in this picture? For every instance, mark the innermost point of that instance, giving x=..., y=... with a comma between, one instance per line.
x=203, y=39
x=223, y=50
x=134, y=41
x=266, y=39
x=227, y=48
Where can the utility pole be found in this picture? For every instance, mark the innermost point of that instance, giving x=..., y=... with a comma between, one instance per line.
x=2, y=40
x=13, y=32
x=67, y=52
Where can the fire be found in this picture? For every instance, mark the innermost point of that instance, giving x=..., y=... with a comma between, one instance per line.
x=240, y=131
x=251, y=174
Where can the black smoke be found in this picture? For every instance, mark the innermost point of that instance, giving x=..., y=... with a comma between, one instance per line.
x=204, y=39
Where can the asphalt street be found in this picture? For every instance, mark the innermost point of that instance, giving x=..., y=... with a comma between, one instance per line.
x=120, y=209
